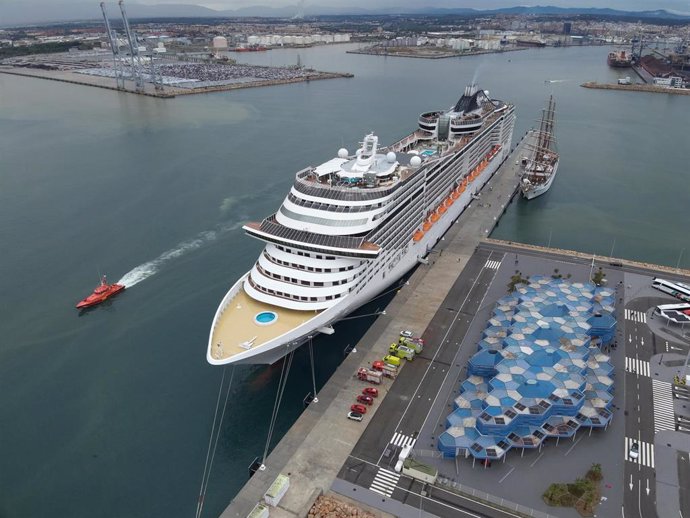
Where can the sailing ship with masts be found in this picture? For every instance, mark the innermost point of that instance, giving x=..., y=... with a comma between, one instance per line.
x=541, y=165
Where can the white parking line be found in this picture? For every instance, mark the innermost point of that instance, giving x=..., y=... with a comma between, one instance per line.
x=645, y=452
x=664, y=415
x=385, y=482
x=640, y=367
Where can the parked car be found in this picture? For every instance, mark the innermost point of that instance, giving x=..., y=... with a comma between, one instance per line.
x=406, y=334
x=634, y=452
x=355, y=416
x=367, y=400
x=360, y=409
x=371, y=391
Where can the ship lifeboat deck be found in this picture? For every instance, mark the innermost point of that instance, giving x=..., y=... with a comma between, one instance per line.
x=246, y=324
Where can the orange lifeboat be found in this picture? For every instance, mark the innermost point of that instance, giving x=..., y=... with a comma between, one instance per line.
x=441, y=209
x=461, y=189
x=449, y=201
x=455, y=195
x=418, y=236
x=426, y=226
x=434, y=217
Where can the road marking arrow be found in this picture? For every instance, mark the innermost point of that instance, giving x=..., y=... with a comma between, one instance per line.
x=631, y=484
x=629, y=338
x=642, y=340
x=647, y=487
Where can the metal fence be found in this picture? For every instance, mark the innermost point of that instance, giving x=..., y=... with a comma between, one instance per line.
x=495, y=501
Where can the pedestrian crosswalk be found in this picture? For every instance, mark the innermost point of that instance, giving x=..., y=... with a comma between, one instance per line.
x=636, y=316
x=640, y=367
x=645, y=452
x=385, y=482
x=664, y=415
x=402, y=440
x=492, y=264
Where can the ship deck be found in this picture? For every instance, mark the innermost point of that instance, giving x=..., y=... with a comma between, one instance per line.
x=236, y=326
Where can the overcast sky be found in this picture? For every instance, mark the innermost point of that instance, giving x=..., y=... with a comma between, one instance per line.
x=35, y=11
x=683, y=5
x=477, y=4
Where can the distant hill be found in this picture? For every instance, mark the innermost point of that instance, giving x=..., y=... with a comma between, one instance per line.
x=20, y=12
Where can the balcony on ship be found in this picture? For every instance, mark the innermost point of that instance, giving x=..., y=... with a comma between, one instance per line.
x=271, y=231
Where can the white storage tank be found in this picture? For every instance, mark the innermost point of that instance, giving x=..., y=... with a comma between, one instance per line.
x=220, y=42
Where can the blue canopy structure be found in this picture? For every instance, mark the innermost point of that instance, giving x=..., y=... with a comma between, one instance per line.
x=538, y=371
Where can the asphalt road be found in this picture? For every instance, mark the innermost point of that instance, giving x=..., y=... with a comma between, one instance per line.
x=406, y=407
x=642, y=409
x=640, y=494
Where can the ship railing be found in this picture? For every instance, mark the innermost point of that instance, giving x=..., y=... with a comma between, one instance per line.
x=404, y=142
x=311, y=187
x=229, y=296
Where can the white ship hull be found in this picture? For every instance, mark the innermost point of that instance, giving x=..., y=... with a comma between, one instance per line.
x=532, y=191
x=352, y=227
x=400, y=265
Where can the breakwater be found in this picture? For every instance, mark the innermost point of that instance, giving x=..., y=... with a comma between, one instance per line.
x=637, y=88
x=168, y=92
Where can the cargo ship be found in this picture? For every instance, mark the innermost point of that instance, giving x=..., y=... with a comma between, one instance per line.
x=619, y=59
x=541, y=165
x=352, y=226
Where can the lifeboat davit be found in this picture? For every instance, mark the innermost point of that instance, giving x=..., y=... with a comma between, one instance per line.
x=418, y=236
x=102, y=293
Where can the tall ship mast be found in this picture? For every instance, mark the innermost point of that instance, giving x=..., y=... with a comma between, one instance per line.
x=541, y=165
x=354, y=225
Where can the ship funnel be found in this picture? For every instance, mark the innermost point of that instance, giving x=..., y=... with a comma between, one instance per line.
x=367, y=153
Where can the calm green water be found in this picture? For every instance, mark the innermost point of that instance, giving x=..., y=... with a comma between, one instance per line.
x=109, y=413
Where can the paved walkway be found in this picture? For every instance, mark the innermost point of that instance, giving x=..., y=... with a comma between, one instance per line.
x=317, y=445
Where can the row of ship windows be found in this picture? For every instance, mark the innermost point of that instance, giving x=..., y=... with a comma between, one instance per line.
x=332, y=208
x=305, y=254
x=292, y=296
x=301, y=282
x=323, y=221
x=308, y=268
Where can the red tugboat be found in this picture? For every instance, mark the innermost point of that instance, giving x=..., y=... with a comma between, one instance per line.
x=102, y=292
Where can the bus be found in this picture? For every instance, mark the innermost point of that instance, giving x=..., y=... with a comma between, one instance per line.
x=678, y=313
x=677, y=289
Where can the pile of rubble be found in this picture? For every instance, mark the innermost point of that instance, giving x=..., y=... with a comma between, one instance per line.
x=328, y=507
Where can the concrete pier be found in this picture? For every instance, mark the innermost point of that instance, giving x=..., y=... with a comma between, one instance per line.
x=637, y=88
x=318, y=444
x=168, y=92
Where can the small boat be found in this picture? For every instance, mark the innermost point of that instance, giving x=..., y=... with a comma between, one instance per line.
x=102, y=292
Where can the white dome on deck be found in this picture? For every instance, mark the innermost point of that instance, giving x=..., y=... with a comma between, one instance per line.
x=390, y=157
x=342, y=153
x=415, y=161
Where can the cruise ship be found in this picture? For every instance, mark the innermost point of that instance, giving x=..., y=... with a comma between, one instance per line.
x=541, y=166
x=354, y=225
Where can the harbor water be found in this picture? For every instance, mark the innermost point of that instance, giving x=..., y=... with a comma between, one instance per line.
x=108, y=412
